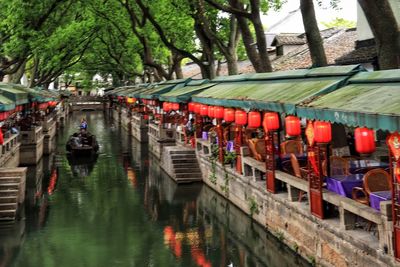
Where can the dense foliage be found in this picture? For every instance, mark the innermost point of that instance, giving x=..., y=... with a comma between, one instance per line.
x=132, y=40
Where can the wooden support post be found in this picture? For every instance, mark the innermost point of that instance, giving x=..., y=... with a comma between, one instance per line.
x=199, y=125
x=395, y=185
x=238, y=145
x=270, y=162
x=221, y=141
x=315, y=179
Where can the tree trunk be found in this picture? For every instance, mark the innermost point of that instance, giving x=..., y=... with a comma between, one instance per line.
x=16, y=77
x=178, y=70
x=260, y=36
x=314, y=40
x=232, y=65
x=249, y=44
x=219, y=67
x=385, y=29
x=208, y=60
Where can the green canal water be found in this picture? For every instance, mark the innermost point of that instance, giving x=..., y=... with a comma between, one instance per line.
x=120, y=209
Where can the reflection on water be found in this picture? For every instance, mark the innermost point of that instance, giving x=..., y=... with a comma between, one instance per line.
x=122, y=210
x=82, y=166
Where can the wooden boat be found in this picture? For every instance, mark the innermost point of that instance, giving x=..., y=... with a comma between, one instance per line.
x=82, y=144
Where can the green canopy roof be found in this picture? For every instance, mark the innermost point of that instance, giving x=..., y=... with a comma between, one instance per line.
x=184, y=94
x=155, y=91
x=6, y=104
x=34, y=95
x=371, y=99
x=19, y=97
x=277, y=91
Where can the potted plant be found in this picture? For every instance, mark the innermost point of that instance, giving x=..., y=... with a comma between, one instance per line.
x=230, y=158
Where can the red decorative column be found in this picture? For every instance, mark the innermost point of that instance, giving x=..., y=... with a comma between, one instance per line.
x=393, y=142
x=319, y=132
x=270, y=162
x=221, y=141
x=199, y=125
x=238, y=145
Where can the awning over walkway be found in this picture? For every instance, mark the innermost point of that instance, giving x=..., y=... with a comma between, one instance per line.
x=371, y=99
x=17, y=96
x=161, y=88
x=184, y=94
x=6, y=104
x=277, y=91
x=33, y=95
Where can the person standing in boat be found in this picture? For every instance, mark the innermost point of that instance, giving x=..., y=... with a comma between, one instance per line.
x=84, y=125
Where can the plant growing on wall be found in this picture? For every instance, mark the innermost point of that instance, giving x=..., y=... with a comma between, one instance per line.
x=253, y=206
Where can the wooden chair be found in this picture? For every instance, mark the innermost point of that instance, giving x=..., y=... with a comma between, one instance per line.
x=299, y=172
x=375, y=180
x=257, y=148
x=291, y=146
x=339, y=166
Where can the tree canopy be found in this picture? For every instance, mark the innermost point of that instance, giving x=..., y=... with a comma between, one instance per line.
x=143, y=39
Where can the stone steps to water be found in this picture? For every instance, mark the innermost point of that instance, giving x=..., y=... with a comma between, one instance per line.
x=8, y=214
x=9, y=199
x=8, y=192
x=178, y=161
x=182, y=152
x=9, y=179
x=181, y=164
x=7, y=186
x=180, y=156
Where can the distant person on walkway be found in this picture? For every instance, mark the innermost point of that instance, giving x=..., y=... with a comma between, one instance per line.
x=190, y=127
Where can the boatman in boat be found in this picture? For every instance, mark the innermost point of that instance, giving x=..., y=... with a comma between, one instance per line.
x=84, y=125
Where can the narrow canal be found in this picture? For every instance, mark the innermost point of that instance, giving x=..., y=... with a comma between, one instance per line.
x=120, y=209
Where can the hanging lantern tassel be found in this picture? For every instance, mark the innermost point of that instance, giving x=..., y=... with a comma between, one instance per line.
x=365, y=140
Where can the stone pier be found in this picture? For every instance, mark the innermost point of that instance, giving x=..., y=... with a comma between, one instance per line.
x=160, y=137
x=10, y=151
x=31, y=150
x=49, y=126
x=140, y=128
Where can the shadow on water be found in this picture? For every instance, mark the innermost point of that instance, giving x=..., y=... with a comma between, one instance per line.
x=122, y=210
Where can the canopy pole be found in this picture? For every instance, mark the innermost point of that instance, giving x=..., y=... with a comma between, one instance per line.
x=221, y=141
x=395, y=188
x=315, y=177
x=199, y=125
x=270, y=161
x=238, y=145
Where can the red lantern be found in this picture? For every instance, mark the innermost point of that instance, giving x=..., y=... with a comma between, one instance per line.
x=211, y=111
x=130, y=100
x=219, y=112
x=191, y=106
x=229, y=114
x=322, y=132
x=271, y=121
x=365, y=140
x=292, y=124
x=240, y=117
x=254, y=119
x=167, y=106
x=174, y=106
x=204, y=110
x=3, y=115
x=197, y=108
